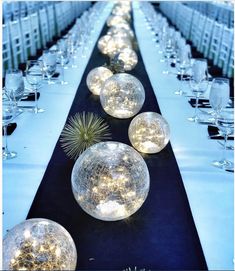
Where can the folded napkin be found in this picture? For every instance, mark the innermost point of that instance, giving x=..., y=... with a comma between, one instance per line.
x=10, y=128
x=186, y=77
x=214, y=133
x=30, y=97
x=55, y=75
x=202, y=103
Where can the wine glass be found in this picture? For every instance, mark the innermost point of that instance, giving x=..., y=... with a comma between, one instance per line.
x=34, y=78
x=14, y=86
x=49, y=63
x=199, y=84
x=63, y=58
x=225, y=123
x=8, y=114
x=183, y=65
x=169, y=50
x=219, y=95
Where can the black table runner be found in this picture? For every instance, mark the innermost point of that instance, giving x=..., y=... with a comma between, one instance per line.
x=161, y=235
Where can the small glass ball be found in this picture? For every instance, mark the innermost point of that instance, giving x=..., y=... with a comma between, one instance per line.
x=110, y=181
x=149, y=132
x=129, y=57
x=115, y=20
x=122, y=96
x=39, y=244
x=96, y=78
x=103, y=44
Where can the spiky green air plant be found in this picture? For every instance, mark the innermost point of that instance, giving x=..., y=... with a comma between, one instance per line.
x=83, y=130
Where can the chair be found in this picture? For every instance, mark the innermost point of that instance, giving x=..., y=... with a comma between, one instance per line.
x=59, y=18
x=27, y=37
x=215, y=42
x=199, y=31
x=44, y=30
x=35, y=30
x=229, y=71
x=6, y=50
x=187, y=16
x=194, y=25
x=6, y=12
x=51, y=21
x=16, y=43
x=206, y=37
x=225, y=48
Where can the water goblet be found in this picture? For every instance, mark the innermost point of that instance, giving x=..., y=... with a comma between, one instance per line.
x=219, y=96
x=14, y=86
x=8, y=114
x=225, y=123
x=199, y=84
x=183, y=66
x=49, y=63
x=34, y=78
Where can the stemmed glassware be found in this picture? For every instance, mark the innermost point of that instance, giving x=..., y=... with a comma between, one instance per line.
x=49, y=63
x=8, y=114
x=14, y=86
x=63, y=58
x=168, y=52
x=183, y=65
x=225, y=123
x=199, y=83
x=34, y=78
x=219, y=96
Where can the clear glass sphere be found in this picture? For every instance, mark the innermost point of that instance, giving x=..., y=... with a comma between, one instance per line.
x=115, y=20
x=111, y=45
x=39, y=244
x=96, y=78
x=120, y=32
x=129, y=58
x=122, y=96
x=110, y=181
x=149, y=132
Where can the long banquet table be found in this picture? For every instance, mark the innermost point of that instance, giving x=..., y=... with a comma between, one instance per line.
x=209, y=190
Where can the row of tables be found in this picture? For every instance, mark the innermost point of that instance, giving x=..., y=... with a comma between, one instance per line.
x=209, y=190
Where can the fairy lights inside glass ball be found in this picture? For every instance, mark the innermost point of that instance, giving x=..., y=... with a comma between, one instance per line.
x=122, y=96
x=110, y=181
x=120, y=32
x=149, y=132
x=129, y=57
x=115, y=20
x=39, y=244
x=111, y=45
x=96, y=78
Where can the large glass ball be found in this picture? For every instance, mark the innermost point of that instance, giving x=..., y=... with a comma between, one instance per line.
x=39, y=244
x=96, y=78
x=122, y=96
x=149, y=132
x=129, y=58
x=120, y=32
x=110, y=181
x=112, y=45
x=115, y=20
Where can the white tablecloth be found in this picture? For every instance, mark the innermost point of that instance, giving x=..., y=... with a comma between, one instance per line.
x=209, y=190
